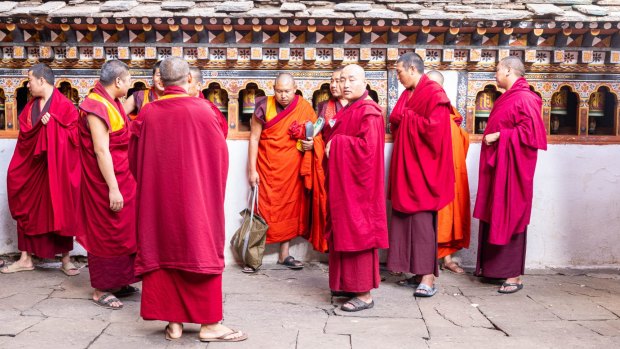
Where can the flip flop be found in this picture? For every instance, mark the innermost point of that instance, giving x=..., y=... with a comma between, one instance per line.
x=70, y=269
x=126, y=291
x=410, y=282
x=15, y=268
x=249, y=270
x=425, y=291
x=453, y=267
x=102, y=302
x=1, y=263
x=291, y=263
x=517, y=288
x=223, y=338
x=357, y=304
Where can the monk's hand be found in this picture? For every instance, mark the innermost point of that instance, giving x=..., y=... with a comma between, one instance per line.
x=491, y=138
x=116, y=200
x=307, y=144
x=327, y=147
x=253, y=178
x=45, y=118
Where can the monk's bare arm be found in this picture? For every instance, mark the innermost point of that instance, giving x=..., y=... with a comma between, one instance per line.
x=256, y=129
x=129, y=105
x=101, y=143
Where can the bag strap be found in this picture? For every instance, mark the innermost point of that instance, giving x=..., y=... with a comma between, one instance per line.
x=246, y=238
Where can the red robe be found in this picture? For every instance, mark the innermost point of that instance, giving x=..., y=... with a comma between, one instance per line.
x=421, y=171
x=221, y=117
x=506, y=174
x=179, y=157
x=43, y=178
x=355, y=179
x=328, y=110
x=105, y=233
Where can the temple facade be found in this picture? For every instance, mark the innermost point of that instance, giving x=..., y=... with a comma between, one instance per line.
x=571, y=49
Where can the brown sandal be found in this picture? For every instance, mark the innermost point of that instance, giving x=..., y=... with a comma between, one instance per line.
x=453, y=267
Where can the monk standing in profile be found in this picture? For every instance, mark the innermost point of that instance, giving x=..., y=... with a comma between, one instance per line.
x=514, y=134
x=328, y=109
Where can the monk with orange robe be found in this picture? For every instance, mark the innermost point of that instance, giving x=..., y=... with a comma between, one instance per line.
x=43, y=179
x=328, y=109
x=180, y=222
x=107, y=199
x=357, y=221
x=421, y=174
x=134, y=103
x=454, y=220
x=514, y=134
x=291, y=179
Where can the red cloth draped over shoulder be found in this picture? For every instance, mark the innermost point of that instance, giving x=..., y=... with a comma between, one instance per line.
x=179, y=157
x=103, y=232
x=506, y=174
x=421, y=170
x=355, y=178
x=328, y=110
x=43, y=179
x=220, y=116
x=454, y=219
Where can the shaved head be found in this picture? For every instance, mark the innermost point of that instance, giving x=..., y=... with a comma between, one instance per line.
x=513, y=64
x=196, y=84
x=353, y=82
x=436, y=76
x=285, y=88
x=284, y=78
x=174, y=71
x=196, y=74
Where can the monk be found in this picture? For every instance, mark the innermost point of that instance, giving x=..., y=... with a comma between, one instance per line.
x=180, y=223
x=421, y=174
x=43, y=179
x=195, y=90
x=134, y=103
x=328, y=109
x=290, y=178
x=107, y=204
x=357, y=222
x=514, y=134
x=454, y=220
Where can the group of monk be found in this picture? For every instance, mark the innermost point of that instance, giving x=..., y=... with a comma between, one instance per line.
x=141, y=185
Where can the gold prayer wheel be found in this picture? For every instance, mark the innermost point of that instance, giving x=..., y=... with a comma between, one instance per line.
x=323, y=95
x=597, y=104
x=484, y=103
x=217, y=96
x=559, y=102
x=249, y=100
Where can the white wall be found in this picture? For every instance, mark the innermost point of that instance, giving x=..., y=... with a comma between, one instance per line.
x=575, y=220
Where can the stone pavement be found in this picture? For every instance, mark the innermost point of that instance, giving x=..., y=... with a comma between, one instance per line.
x=293, y=309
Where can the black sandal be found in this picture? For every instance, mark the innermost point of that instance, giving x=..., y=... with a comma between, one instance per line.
x=248, y=270
x=410, y=282
x=106, y=300
x=126, y=291
x=357, y=304
x=291, y=263
x=517, y=288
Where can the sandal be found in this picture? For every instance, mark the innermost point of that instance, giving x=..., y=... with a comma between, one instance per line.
x=425, y=291
x=223, y=338
x=453, y=267
x=70, y=269
x=15, y=268
x=126, y=291
x=357, y=304
x=248, y=270
x=169, y=336
x=410, y=282
x=517, y=287
x=106, y=299
x=291, y=263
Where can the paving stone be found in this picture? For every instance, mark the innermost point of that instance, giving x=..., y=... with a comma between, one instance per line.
x=118, y=6
x=272, y=314
x=12, y=322
x=106, y=341
x=570, y=307
x=263, y=338
x=446, y=309
x=387, y=327
x=318, y=339
x=21, y=301
x=235, y=6
x=75, y=309
x=54, y=333
x=610, y=328
x=374, y=341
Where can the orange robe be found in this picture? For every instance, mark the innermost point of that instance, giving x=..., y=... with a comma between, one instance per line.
x=292, y=196
x=454, y=220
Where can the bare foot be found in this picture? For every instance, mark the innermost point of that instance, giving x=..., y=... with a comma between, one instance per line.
x=219, y=332
x=174, y=330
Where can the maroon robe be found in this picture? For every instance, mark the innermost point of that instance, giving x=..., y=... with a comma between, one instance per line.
x=357, y=223
x=108, y=236
x=43, y=178
x=421, y=176
x=506, y=181
x=328, y=110
x=179, y=157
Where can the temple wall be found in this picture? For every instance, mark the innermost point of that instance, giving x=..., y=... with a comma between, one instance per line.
x=575, y=218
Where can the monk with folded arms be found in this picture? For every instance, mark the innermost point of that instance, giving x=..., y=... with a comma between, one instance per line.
x=179, y=157
x=357, y=222
x=514, y=134
x=43, y=180
x=421, y=174
x=107, y=212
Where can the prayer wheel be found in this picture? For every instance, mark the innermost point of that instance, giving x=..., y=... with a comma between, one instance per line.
x=559, y=102
x=217, y=96
x=597, y=104
x=484, y=103
x=322, y=96
x=249, y=100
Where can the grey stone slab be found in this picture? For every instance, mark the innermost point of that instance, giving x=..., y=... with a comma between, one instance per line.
x=572, y=16
x=591, y=10
x=377, y=13
x=106, y=341
x=21, y=301
x=292, y=7
x=318, y=339
x=23, y=9
x=235, y=6
x=75, y=309
x=325, y=13
x=458, y=8
x=143, y=328
x=610, y=328
x=177, y=5
x=118, y=6
x=272, y=314
x=561, y=2
x=386, y=327
x=391, y=301
x=13, y=323
x=80, y=11
x=545, y=9
x=429, y=14
x=60, y=333
x=352, y=7
x=497, y=15
x=130, y=312
x=572, y=307
x=144, y=11
x=318, y=3
x=47, y=7
x=374, y=341
x=266, y=12
x=7, y=5
x=449, y=310
x=405, y=7
x=263, y=338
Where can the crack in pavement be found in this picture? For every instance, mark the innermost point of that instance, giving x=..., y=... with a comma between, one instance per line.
x=586, y=327
x=297, y=340
x=609, y=310
x=99, y=335
x=428, y=330
x=445, y=318
x=495, y=326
